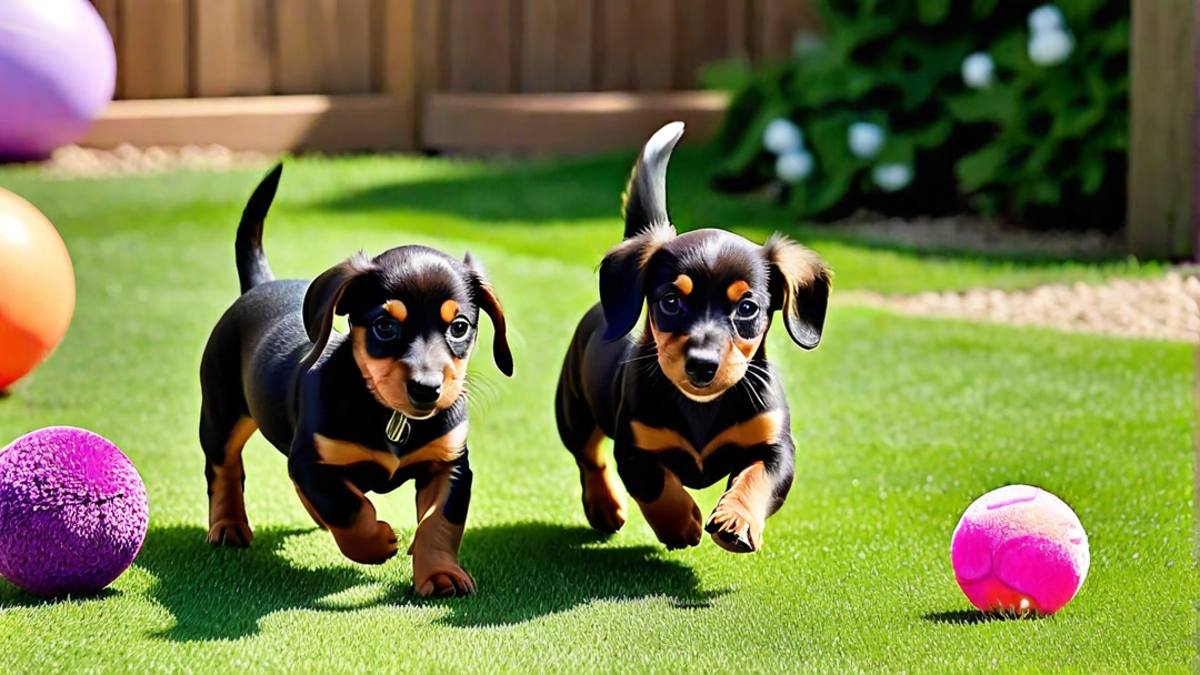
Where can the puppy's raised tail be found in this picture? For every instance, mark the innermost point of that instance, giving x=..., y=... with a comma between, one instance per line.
x=644, y=203
x=252, y=265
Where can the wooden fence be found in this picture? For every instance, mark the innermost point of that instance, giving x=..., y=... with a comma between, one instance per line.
x=217, y=48
x=533, y=75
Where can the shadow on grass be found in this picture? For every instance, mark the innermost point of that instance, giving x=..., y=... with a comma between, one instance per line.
x=524, y=571
x=222, y=593
x=544, y=191
x=12, y=597
x=974, y=616
x=529, y=570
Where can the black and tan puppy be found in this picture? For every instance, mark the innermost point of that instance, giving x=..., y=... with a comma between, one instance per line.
x=355, y=414
x=692, y=399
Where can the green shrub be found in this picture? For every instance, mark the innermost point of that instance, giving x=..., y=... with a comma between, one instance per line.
x=1044, y=144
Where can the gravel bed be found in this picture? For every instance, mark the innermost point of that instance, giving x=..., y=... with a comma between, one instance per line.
x=1163, y=308
x=969, y=233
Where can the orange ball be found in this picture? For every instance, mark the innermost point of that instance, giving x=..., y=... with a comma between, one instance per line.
x=37, y=288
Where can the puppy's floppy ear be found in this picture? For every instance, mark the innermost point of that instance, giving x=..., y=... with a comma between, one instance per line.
x=485, y=298
x=322, y=299
x=644, y=203
x=800, y=282
x=621, y=278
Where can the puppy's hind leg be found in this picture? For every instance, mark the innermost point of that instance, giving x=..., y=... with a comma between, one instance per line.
x=603, y=497
x=223, y=440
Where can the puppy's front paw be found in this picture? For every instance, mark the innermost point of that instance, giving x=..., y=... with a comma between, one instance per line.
x=680, y=531
x=734, y=528
x=442, y=580
x=603, y=499
x=369, y=545
x=230, y=532
x=688, y=535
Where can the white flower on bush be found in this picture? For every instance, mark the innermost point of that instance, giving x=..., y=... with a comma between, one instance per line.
x=1050, y=48
x=1046, y=19
x=892, y=177
x=793, y=167
x=782, y=136
x=978, y=70
x=866, y=139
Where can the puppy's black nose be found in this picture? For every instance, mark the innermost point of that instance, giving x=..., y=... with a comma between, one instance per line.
x=423, y=395
x=701, y=368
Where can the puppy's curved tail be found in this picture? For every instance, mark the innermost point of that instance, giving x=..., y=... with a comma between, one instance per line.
x=252, y=266
x=644, y=204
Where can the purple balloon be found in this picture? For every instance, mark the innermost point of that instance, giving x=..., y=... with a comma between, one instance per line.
x=73, y=511
x=57, y=72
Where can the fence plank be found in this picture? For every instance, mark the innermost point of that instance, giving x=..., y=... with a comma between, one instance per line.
x=108, y=10
x=556, y=46
x=154, y=47
x=1162, y=128
x=539, y=45
x=482, y=45
x=575, y=29
x=571, y=123
x=613, y=56
x=396, y=62
x=653, y=45
x=323, y=46
x=701, y=37
x=268, y=124
x=233, y=45
x=433, y=47
x=737, y=26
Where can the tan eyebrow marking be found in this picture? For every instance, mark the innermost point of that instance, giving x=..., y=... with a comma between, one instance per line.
x=736, y=290
x=449, y=310
x=684, y=283
x=396, y=309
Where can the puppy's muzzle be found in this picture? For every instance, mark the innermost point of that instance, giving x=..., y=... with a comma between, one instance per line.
x=701, y=366
x=424, y=395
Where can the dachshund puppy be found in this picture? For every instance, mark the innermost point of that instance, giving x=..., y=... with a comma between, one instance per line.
x=353, y=414
x=692, y=399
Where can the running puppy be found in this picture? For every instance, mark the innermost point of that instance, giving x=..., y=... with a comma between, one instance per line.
x=352, y=414
x=692, y=399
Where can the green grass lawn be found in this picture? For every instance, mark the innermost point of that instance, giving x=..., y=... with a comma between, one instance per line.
x=900, y=423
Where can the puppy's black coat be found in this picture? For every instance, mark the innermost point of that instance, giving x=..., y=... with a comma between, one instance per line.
x=353, y=414
x=693, y=399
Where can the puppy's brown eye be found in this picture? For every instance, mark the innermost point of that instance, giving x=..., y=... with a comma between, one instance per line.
x=386, y=329
x=459, y=329
x=747, y=309
x=670, y=305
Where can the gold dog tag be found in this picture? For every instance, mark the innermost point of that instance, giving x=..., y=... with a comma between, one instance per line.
x=398, y=428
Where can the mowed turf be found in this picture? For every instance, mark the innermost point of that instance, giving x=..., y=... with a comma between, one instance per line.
x=900, y=424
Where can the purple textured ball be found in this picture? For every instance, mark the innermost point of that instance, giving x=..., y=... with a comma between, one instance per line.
x=73, y=511
x=57, y=72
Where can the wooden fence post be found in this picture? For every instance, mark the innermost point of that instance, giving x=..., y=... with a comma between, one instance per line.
x=1163, y=218
x=397, y=50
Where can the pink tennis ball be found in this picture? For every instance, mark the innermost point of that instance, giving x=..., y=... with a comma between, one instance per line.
x=73, y=511
x=1020, y=549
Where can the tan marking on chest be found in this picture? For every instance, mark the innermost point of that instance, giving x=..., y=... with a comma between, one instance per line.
x=765, y=428
x=444, y=449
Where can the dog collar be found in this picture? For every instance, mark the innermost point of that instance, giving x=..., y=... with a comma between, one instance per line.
x=398, y=428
